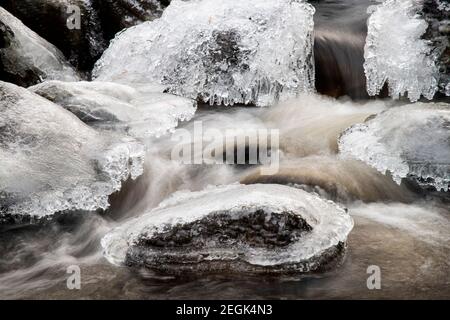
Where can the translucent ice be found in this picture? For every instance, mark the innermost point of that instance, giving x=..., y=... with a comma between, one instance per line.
x=51, y=161
x=26, y=57
x=221, y=52
x=268, y=228
x=396, y=54
x=410, y=141
x=141, y=111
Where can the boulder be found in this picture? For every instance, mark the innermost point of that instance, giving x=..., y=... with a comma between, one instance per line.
x=53, y=162
x=139, y=111
x=219, y=52
x=234, y=228
x=410, y=142
x=26, y=58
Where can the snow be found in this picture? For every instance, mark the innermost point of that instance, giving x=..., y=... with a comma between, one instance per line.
x=330, y=225
x=141, y=111
x=409, y=141
x=27, y=52
x=396, y=54
x=51, y=161
x=221, y=52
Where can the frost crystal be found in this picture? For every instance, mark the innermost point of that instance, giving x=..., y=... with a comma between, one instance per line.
x=221, y=52
x=410, y=141
x=240, y=228
x=140, y=111
x=396, y=54
x=51, y=161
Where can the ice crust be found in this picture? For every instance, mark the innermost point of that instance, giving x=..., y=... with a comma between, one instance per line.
x=221, y=52
x=141, y=111
x=26, y=52
x=329, y=224
x=396, y=54
x=409, y=141
x=52, y=162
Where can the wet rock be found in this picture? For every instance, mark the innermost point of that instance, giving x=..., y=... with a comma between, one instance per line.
x=26, y=58
x=139, y=111
x=120, y=14
x=52, y=162
x=235, y=228
x=437, y=14
x=100, y=21
x=411, y=142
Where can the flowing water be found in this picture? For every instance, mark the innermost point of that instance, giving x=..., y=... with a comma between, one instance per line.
x=403, y=232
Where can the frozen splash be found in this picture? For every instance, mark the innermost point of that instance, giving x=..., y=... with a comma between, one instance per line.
x=396, y=54
x=51, y=161
x=268, y=228
x=141, y=111
x=409, y=141
x=221, y=52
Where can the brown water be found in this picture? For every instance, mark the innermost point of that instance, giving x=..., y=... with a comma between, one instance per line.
x=405, y=234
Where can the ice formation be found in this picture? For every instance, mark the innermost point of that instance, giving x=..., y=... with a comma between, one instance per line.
x=266, y=228
x=410, y=142
x=396, y=54
x=51, y=161
x=140, y=111
x=221, y=52
x=26, y=57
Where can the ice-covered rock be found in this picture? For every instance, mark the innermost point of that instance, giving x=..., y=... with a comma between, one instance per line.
x=100, y=21
x=140, y=111
x=396, y=53
x=411, y=141
x=255, y=228
x=26, y=58
x=221, y=52
x=52, y=162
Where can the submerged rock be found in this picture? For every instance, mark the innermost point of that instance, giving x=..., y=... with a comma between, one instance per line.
x=140, y=111
x=344, y=180
x=26, y=58
x=221, y=52
x=237, y=228
x=411, y=142
x=52, y=162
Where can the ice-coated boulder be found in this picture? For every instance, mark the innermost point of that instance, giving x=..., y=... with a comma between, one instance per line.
x=52, y=162
x=141, y=111
x=411, y=141
x=396, y=53
x=256, y=228
x=26, y=58
x=221, y=52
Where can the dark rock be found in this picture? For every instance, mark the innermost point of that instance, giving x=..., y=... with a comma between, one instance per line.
x=26, y=58
x=437, y=14
x=100, y=21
